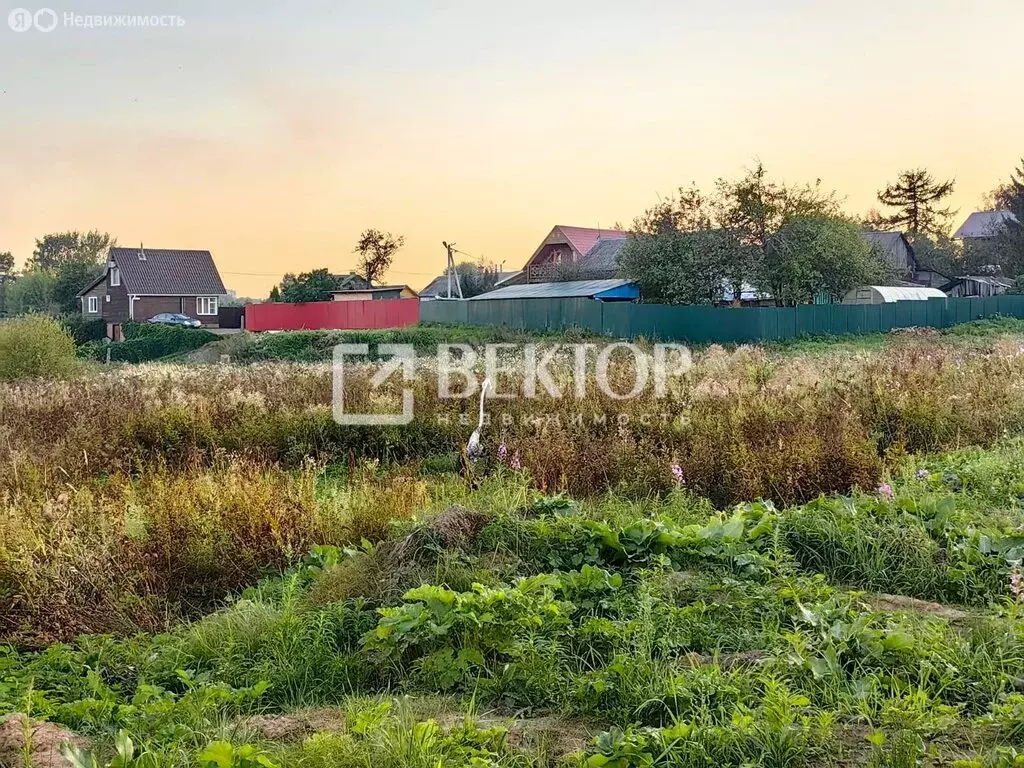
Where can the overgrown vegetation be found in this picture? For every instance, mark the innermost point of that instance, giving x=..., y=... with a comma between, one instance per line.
x=213, y=584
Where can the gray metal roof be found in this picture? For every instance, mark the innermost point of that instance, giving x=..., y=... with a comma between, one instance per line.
x=1002, y=282
x=573, y=288
x=439, y=285
x=984, y=224
x=167, y=272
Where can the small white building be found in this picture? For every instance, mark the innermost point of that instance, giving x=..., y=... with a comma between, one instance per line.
x=887, y=294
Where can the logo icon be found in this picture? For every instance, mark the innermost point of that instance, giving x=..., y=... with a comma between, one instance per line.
x=403, y=358
x=20, y=20
x=45, y=20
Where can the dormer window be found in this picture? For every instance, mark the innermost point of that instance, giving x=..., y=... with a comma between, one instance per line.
x=115, y=277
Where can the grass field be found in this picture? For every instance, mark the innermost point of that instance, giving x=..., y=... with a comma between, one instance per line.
x=820, y=565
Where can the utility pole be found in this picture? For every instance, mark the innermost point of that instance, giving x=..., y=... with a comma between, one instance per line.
x=450, y=247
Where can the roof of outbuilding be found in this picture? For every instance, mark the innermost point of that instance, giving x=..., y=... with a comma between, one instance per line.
x=984, y=224
x=570, y=289
x=1002, y=282
x=890, y=245
x=439, y=285
x=167, y=272
x=603, y=255
x=375, y=289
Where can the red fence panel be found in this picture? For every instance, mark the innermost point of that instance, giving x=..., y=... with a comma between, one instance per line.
x=333, y=315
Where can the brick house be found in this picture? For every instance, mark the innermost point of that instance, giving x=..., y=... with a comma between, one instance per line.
x=142, y=282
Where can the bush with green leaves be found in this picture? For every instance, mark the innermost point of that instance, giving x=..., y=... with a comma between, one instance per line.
x=35, y=346
x=150, y=341
x=84, y=330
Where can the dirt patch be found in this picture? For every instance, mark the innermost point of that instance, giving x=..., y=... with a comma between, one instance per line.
x=45, y=740
x=893, y=603
x=297, y=725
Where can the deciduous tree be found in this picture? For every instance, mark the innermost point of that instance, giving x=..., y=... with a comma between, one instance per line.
x=74, y=259
x=811, y=255
x=788, y=240
x=55, y=250
x=32, y=292
x=6, y=278
x=315, y=285
x=376, y=250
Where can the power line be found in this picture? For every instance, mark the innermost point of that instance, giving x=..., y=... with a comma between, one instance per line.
x=279, y=274
x=478, y=258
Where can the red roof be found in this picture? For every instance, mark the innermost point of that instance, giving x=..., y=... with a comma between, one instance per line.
x=582, y=239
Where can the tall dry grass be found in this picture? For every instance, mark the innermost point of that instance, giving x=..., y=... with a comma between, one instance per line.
x=124, y=553
x=740, y=425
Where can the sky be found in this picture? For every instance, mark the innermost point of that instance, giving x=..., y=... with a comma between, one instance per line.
x=273, y=133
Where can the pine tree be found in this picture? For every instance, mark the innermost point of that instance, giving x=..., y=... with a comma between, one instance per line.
x=916, y=197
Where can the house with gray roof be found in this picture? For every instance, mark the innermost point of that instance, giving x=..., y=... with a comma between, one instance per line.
x=139, y=283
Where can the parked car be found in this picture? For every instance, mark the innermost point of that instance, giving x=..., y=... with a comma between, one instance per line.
x=172, y=318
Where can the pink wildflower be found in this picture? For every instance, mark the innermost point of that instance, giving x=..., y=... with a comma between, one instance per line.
x=886, y=490
x=515, y=463
x=923, y=474
x=502, y=452
x=677, y=473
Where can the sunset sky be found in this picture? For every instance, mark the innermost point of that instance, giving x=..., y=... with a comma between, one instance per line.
x=271, y=133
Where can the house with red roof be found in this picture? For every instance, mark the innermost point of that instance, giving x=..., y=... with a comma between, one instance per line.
x=573, y=252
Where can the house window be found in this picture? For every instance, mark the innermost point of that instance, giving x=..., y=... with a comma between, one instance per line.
x=94, y=305
x=206, y=305
x=115, y=277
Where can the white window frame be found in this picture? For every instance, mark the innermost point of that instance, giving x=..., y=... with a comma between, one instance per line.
x=115, y=277
x=92, y=305
x=208, y=303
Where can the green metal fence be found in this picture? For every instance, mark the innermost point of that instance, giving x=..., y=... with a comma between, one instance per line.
x=701, y=324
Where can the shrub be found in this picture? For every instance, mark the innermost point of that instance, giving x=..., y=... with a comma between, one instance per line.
x=85, y=331
x=144, y=342
x=35, y=345
x=318, y=346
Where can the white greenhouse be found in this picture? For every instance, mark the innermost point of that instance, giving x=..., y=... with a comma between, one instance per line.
x=887, y=294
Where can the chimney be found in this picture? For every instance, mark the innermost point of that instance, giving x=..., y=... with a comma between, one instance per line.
x=142, y=253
